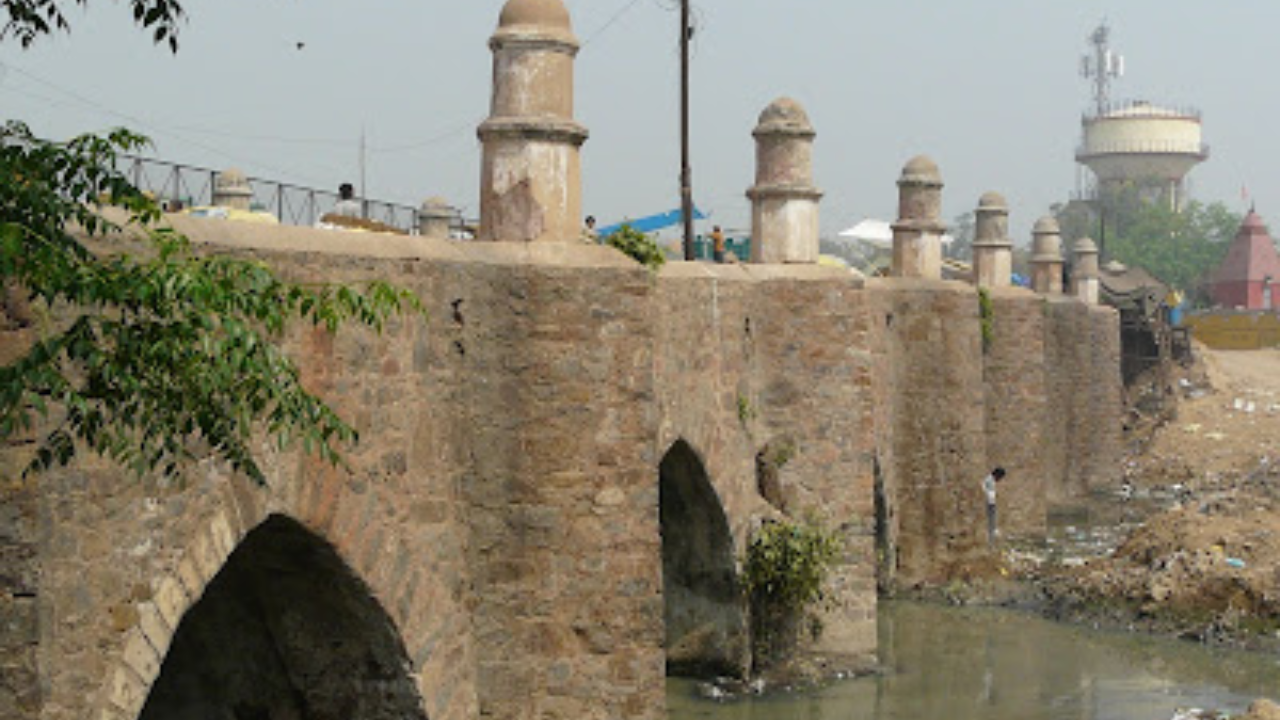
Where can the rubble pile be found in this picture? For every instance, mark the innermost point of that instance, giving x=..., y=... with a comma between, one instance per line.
x=1189, y=542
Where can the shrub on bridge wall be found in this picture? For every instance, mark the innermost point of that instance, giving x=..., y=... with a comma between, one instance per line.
x=987, y=311
x=638, y=246
x=786, y=566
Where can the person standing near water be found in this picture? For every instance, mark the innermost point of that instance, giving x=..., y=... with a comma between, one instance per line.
x=989, y=487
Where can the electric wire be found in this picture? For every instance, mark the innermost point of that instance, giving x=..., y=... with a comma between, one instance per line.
x=610, y=22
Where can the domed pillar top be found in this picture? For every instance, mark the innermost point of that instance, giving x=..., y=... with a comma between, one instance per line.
x=917, y=234
x=531, y=173
x=232, y=190
x=434, y=218
x=992, y=247
x=784, y=201
x=530, y=19
x=1046, y=257
x=1085, y=277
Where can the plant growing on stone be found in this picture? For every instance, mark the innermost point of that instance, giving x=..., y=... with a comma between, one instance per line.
x=987, y=314
x=638, y=246
x=746, y=413
x=786, y=566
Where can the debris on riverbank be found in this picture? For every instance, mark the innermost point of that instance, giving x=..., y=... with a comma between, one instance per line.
x=1189, y=543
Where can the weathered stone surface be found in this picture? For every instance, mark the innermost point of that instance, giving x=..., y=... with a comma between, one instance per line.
x=503, y=507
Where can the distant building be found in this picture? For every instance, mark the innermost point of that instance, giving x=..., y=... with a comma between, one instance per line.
x=1249, y=277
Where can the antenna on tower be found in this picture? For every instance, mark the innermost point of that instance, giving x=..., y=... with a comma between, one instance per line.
x=1101, y=66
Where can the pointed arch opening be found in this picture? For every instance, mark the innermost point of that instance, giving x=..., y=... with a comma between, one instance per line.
x=285, y=631
x=704, y=609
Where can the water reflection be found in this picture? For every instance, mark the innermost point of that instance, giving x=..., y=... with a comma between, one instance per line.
x=981, y=664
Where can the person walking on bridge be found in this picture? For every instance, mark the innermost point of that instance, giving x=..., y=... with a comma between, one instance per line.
x=989, y=487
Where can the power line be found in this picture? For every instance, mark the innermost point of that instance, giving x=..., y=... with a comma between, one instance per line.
x=610, y=22
x=152, y=127
x=173, y=131
x=449, y=134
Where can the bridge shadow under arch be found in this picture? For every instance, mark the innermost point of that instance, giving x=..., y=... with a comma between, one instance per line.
x=285, y=631
x=704, y=608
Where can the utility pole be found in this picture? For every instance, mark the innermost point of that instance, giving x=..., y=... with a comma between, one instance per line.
x=364, y=195
x=686, y=174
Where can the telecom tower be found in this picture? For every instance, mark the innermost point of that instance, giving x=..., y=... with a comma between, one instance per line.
x=1101, y=66
x=1134, y=144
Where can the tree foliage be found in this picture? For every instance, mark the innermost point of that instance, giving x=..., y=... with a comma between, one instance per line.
x=1180, y=247
x=158, y=355
x=29, y=20
x=962, y=235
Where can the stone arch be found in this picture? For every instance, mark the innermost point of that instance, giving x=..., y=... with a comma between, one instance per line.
x=704, y=609
x=283, y=629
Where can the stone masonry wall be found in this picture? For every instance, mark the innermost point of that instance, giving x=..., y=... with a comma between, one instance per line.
x=501, y=507
x=1017, y=411
x=934, y=429
x=815, y=393
x=1083, y=443
x=758, y=357
x=123, y=558
x=1102, y=426
x=562, y=488
x=20, y=696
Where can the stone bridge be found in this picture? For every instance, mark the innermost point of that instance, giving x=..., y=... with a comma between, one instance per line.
x=561, y=467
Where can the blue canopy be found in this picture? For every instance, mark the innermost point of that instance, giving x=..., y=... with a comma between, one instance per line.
x=653, y=222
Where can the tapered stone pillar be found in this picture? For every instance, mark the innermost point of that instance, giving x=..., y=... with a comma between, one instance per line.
x=992, y=248
x=1046, y=257
x=232, y=190
x=784, y=200
x=917, y=235
x=434, y=217
x=531, y=173
x=1085, y=276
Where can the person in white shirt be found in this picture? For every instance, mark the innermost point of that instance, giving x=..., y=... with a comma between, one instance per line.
x=348, y=205
x=989, y=487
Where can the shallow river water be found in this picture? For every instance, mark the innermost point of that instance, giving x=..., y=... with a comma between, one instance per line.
x=984, y=664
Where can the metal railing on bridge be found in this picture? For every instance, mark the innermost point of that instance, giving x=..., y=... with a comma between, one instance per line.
x=194, y=186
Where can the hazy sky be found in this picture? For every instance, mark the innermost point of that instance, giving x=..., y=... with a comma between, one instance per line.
x=988, y=88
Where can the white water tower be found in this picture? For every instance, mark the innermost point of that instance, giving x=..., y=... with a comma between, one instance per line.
x=1136, y=144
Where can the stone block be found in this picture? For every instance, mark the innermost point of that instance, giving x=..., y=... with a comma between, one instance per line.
x=140, y=656
x=154, y=627
x=171, y=601
x=126, y=692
